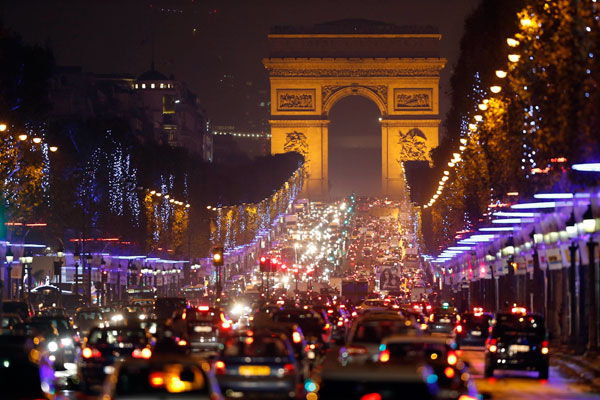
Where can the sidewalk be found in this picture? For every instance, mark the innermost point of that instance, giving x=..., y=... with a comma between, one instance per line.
x=580, y=366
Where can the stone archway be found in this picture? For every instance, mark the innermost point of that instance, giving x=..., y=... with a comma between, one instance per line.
x=397, y=68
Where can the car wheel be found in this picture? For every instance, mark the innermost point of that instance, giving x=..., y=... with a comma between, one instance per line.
x=489, y=372
x=544, y=372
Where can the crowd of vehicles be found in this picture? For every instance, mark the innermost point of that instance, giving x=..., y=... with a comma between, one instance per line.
x=356, y=339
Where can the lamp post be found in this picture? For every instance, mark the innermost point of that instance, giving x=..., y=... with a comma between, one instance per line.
x=9, y=259
x=589, y=225
x=60, y=254
x=571, y=228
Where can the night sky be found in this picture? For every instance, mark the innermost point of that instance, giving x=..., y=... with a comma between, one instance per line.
x=216, y=47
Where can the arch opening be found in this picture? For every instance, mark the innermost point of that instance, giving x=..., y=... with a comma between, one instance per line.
x=355, y=152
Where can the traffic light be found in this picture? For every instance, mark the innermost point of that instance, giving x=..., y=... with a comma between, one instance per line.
x=104, y=276
x=265, y=264
x=218, y=256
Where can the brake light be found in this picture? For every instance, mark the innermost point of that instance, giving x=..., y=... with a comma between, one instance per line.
x=225, y=325
x=182, y=342
x=545, y=349
x=340, y=323
x=220, y=368
x=452, y=359
x=431, y=318
x=384, y=356
x=88, y=352
x=329, y=311
x=289, y=369
x=459, y=328
x=518, y=310
x=492, y=347
x=144, y=353
x=354, y=314
x=326, y=327
x=449, y=372
x=371, y=396
x=203, y=308
x=156, y=379
x=296, y=337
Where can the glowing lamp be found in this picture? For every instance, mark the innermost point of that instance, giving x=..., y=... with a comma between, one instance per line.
x=451, y=164
x=478, y=117
x=53, y=149
x=571, y=226
x=2, y=127
x=588, y=167
x=514, y=57
x=37, y=140
x=473, y=127
x=500, y=73
x=589, y=223
x=526, y=22
x=512, y=42
x=496, y=89
x=22, y=137
x=482, y=106
x=446, y=173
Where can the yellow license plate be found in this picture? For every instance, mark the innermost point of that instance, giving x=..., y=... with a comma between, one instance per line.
x=254, y=370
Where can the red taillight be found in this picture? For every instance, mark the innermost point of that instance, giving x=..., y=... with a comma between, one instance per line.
x=220, y=368
x=371, y=396
x=459, y=328
x=182, y=342
x=384, y=356
x=326, y=327
x=289, y=369
x=88, y=352
x=225, y=325
x=156, y=379
x=545, y=349
x=452, y=359
x=144, y=353
x=203, y=308
x=449, y=372
x=492, y=346
x=340, y=323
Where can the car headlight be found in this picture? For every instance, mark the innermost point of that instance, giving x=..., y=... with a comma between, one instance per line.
x=142, y=317
x=237, y=309
x=117, y=317
x=52, y=346
x=66, y=342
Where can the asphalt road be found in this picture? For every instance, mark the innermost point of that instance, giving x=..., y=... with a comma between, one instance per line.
x=525, y=385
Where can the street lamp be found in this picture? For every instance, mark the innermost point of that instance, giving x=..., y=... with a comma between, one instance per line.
x=571, y=228
x=589, y=226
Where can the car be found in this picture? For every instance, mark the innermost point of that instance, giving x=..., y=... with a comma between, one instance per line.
x=206, y=328
x=68, y=337
x=473, y=328
x=373, y=381
x=454, y=379
x=26, y=371
x=103, y=346
x=367, y=332
x=305, y=356
x=17, y=307
x=86, y=318
x=518, y=341
x=8, y=323
x=46, y=334
x=443, y=321
x=257, y=364
x=161, y=377
x=316, y=331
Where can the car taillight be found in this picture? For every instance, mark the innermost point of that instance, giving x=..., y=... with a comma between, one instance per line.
x=326, y=327
x=289, y=369
x=144, y=353
x=182, y=342
x=340, y=323
x=452, y=359
x=156, y=379
x=459, y=328
x=225, y=325
x=371, y=396
x=545, y=349
x=384, y=356
x=492, y=346
x=220, y=368
x=449, y=372
x=88, y=352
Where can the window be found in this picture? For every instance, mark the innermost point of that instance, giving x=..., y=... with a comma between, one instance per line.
x=152, y=85
x=168, y=104
x=136, y=85
x=143, y=86
x=162, y=85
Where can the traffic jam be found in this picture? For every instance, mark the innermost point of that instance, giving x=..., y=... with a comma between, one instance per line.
x=341, y=308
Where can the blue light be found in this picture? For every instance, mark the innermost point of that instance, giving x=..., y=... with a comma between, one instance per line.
x=431, y=379
x=310, y=386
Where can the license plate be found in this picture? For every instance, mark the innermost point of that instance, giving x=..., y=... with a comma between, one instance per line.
x=444, y=320
x=518, y=348
x=476, y=333
x=203, y=329
x=254, y=370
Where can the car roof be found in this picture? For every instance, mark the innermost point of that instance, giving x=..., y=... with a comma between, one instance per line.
x=417, y=339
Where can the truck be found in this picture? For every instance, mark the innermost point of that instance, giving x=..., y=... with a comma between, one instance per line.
x=354, y=290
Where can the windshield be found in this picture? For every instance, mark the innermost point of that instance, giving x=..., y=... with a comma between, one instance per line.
x=194, y=315
x=261, y=346
x=115, y=336
x=88, y=316
x=61, y=325
x=519, y=325
x=375, y=331
x=417, y=351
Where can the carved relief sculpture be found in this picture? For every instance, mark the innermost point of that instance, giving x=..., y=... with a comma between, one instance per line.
x=413, y=146
x=296, y=99
x=413, y=99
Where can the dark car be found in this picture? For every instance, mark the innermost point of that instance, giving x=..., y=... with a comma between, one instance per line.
x=207, y=327
x=17, y=307
x=302, y=352
x=8, y=323
x=68, y=338
x=442, y=321
x=103, y=346
x=473, y=329
x=26, y=372
x=258, y=365
x=517, y=342
x=315, y=329
x=165, y=307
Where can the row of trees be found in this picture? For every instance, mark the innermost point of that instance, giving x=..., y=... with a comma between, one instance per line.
x=544, y=118
x=99, y=183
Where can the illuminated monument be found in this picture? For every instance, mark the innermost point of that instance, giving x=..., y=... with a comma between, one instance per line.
x=312, y=69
